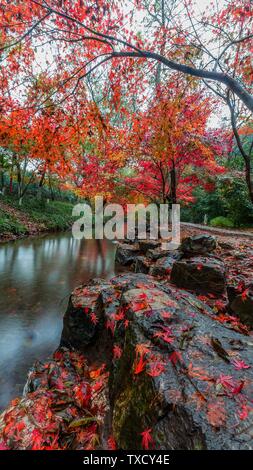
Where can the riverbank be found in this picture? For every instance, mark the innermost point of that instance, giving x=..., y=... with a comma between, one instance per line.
x=33, y=217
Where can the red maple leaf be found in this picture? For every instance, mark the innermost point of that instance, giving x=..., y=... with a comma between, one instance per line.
x=37, y=439
x=58, y=355
x=140, y=366
x=243, y=413
x=155, y=369
x=175, y=357
x=226, y=381
x=95, y=373
x=98, y=385
x=238, y=388
x=239, y=364
x=93, y=318
x=82, y=394
x=111, y=443
x=165, y=335
x=147, y=440
x=166, y=315
x=143, y=295
x=139, y=305
x=216, y=414
x=110, y=325
x=120, y=315
x=3, y=446
x=117, y=351
x=244, y=295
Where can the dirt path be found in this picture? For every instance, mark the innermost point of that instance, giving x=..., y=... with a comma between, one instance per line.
x=220, y=231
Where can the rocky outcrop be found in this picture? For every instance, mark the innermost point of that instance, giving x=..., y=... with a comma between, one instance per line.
x=198, y=245
x=178, y=377
x=200, y=274
x=184, y=383
x=175, y=369
x=147, y=256
x=126, y=253
x=157, y=253
x=142, y=265
x=163, y=266
x=83, y=319
x=146, y=245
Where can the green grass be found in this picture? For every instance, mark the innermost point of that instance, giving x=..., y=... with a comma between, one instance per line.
x=55, y=215
x=9, y=224
x=222, y=222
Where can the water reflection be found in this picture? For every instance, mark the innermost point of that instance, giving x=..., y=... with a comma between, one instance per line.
x=36, y=277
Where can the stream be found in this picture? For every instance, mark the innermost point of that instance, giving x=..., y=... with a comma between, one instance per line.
x=36, y=278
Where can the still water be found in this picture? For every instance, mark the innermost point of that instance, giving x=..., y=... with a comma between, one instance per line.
x=36, y=277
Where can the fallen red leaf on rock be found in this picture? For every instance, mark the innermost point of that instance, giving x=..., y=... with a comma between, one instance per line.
x=239, y=364
x=147, y=440
x=140, y=366
x=117, y=351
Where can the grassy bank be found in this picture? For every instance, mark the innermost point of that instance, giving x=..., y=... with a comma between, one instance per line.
x=32, y=217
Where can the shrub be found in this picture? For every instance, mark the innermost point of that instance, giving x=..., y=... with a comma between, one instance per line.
x=221, y=222
x=206, y=203
x=236, y=199
x=230, y=199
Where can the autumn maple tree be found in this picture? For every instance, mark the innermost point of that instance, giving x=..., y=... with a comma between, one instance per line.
x=49, y=48
x=172, y=149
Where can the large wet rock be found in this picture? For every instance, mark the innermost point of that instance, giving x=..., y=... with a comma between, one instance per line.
x=84, y=318
x=242, y=306
x=200, y=274
x=142, y=265
x=157, y=253
x=175, y=370
x=126, y=253
x=163, y=266
x=185, y=384
x=146, y=245
x=198, y=245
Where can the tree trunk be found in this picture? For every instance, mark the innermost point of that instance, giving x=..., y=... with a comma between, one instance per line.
x=11, y=178
x=249, y=178
x=19, y=180
x=246, y=157
x=2, y=182
x=51, y=189
x=41, y=183
x=173, y=185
